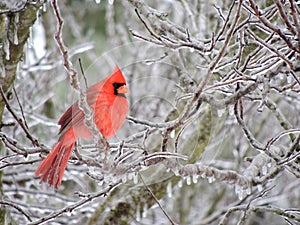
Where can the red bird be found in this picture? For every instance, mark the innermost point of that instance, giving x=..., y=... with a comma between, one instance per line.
x=106, y=98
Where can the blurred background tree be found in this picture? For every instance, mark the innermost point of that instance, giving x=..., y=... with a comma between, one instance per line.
x=212, y=136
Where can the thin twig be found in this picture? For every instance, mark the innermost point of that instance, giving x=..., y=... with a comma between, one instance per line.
x=284, y=16
x=157, y=201
x=21, y=107
x=88, y=198
x=247, y=209
x=11, y=204
x=83, y=74
x=272, y=26
x=33, y=140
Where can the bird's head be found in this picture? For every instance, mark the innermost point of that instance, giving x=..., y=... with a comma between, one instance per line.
x=116, y=83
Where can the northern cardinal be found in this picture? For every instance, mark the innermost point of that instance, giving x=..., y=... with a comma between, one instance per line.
x=106, y=98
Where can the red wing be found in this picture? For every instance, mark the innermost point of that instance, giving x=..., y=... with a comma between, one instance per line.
x=102, y=117
x=74, y=117
x=110, y=113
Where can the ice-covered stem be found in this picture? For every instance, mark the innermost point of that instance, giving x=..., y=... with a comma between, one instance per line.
x=272, y=26
x=285, y=124
x=190, y=170
x=82, y=103
x=292, y=214
x=160, y=25
x=11, y=53
x=138, y=198
x=69, y=208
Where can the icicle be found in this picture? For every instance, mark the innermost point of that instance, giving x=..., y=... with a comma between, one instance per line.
x=260, y=86
x=138, y=213
x=248, y=190
x=231, y=110
x=220, y=112
x=180, y=183
x=25, y=61
x=16, y=21
x=195, y=178
x=124, y=178
x=115, y=179
x=111, y=2
x=172, y=134
x=30, y=39
x=69, y=213
x=130, y=176
x=264, y=170
x=211, y=179
x=135, y=178
x=98, y=1
x=45, y=6
x=176, y=172
x=241, y=194
x=169, y=189
x=2, y=69
x=145, y=211
x=237, y=188
x=38, y=16
x=191, y=50
x=6, y=48
x=259, y=187
x=5, y=42
x=289, y=79
x=188, y=180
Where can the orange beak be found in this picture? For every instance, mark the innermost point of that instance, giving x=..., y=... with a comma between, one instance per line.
x=123, y=89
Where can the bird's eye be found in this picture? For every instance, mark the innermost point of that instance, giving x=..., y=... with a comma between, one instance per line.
x=117, y=86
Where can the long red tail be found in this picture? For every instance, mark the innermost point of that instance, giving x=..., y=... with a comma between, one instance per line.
x=53, y=166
